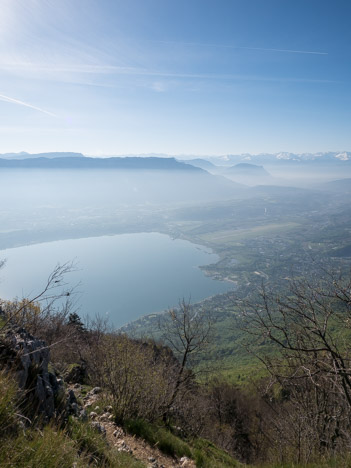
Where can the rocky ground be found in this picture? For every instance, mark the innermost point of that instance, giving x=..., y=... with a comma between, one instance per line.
x=21, y=351
x=103, y=420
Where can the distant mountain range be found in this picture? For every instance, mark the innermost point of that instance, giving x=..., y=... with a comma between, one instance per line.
x=79, y=162
x=261, y=169
x=24, y=155
x=120, y=180
x=244, y=173
x=261, y=158
x=204, y=162
x=264, y=158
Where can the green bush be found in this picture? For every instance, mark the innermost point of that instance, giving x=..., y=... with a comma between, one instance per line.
x=167, y=442
x=207, y=455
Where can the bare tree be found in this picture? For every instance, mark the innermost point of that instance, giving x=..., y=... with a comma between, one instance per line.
x=187, y=331
x=310, y=358
x=27, y=311
x=46, y=315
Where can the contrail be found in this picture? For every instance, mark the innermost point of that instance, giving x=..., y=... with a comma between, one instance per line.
x=291, y=51
x=25, y=104
x=117, y=70
x=224, y=46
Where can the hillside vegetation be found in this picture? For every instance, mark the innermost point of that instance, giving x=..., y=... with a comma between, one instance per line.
x=101, y=395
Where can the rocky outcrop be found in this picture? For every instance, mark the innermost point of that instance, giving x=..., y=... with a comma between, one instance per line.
x=29, y=358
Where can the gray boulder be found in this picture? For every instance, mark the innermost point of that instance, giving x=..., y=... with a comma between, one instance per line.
x=29, y=358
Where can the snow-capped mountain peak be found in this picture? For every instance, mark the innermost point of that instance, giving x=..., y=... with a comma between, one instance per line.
x=343, y=156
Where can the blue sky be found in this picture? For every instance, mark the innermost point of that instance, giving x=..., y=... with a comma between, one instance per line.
x=175, y=76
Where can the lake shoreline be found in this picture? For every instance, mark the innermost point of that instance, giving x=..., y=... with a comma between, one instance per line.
x=177, y=253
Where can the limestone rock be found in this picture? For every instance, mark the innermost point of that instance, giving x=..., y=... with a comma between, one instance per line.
x=29, y=357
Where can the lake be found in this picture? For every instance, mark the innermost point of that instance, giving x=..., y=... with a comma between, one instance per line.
x=123, y=276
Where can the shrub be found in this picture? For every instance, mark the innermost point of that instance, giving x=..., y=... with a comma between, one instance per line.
x=137, y=375
x=207, y=455
x=167, y=442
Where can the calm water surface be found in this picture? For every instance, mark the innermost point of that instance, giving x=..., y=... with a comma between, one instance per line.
x=124, y=276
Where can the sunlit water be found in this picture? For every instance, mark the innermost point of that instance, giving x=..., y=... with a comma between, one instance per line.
x=124, y=276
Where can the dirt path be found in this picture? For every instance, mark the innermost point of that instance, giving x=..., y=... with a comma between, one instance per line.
x=118, y=438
